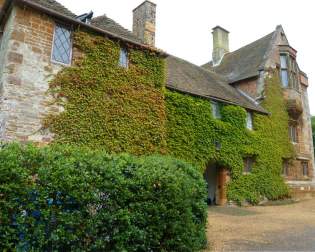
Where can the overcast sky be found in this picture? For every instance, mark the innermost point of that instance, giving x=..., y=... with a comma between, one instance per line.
x=184, y=26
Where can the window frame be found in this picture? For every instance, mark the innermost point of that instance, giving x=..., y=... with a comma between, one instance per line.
x=305, y=168
x=248, y=164
x=249, y=118
x=286, y=69
x=292, y=71
x=285, y=167
x=216, y=111
x=125, y=63
x=293, y=137
x=53, y=45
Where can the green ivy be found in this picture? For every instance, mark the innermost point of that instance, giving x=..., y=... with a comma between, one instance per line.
x=192, y=133
x=107, y=106
x=128, y=110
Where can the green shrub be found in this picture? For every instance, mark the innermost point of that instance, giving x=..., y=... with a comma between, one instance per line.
x=66, y=198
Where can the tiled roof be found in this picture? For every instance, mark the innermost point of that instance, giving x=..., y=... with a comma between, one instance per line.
x=245, y=62
x=181, y=75
x=104, y=22
x=189, y=78
x=55, y=6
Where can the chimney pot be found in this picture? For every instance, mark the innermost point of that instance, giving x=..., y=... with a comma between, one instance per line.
x=220, y=44
x=144, y=17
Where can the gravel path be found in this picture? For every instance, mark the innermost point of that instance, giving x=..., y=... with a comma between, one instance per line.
x=271, y=228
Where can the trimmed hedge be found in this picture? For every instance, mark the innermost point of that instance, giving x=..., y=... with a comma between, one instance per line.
x=74, y=199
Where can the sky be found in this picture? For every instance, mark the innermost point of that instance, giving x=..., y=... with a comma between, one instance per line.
x=184, y=26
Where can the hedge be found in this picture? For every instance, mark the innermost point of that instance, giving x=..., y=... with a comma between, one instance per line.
x=62, y=198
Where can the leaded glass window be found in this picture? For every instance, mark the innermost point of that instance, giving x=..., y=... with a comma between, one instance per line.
x=123, y=58
x=62, y=47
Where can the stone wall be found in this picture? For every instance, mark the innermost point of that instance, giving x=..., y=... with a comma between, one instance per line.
x=4, y=48
x=27, y=70
x=304, y=147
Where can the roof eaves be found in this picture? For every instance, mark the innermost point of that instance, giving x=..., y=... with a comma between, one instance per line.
x=78, y=23
x=212, y=97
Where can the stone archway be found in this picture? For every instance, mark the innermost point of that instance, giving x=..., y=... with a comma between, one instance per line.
x=217, y=178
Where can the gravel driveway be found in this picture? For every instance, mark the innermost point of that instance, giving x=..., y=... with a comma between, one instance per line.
x=269, y=228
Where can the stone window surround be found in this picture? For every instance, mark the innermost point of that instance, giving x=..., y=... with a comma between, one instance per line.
x=71, y=44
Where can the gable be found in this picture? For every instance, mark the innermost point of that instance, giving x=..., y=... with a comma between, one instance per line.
x=245, y=62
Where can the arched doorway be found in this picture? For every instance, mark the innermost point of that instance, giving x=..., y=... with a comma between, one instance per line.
x=217, y=178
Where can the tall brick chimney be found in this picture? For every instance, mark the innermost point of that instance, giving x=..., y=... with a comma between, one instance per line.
x=220, y=44
x=144, y=22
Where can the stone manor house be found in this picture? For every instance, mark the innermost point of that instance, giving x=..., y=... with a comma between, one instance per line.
x=35, y=39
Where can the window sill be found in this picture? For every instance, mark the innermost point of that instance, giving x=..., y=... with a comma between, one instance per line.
x=60, y=63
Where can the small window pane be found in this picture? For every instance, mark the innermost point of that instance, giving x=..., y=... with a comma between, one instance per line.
x=216, y=110
x=62, y=47
x=248, y=164
x=284, y=78
x=123, y=58
x=283, y=61
x=305, y=168
x=293, y=134
x=285, y=168
x=249, y=121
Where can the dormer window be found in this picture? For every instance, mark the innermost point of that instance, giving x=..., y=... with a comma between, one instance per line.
x=216, y=110
x=123, y=58
x=289, y=71
x=249, y=121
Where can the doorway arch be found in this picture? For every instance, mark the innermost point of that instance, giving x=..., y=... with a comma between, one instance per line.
x=217, y=177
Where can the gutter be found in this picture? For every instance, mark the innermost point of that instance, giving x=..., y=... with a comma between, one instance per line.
x=75, y=22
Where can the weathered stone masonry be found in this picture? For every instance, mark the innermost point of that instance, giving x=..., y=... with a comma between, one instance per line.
x=25, y=74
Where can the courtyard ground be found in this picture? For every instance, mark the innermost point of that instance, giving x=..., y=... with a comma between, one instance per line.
x=265, y=228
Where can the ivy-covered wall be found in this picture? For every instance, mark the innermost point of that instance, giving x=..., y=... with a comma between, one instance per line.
x=129, y=110
x=107, y=106
x=192, y=133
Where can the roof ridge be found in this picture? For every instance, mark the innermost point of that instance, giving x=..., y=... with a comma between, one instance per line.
x=54, y=3
x=104, y=16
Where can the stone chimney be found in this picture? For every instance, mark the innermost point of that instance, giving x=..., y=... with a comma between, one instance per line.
x=144, y=22
x=220, y=44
